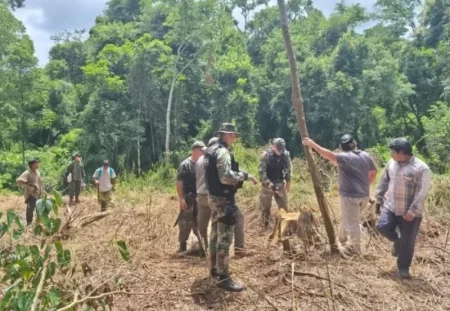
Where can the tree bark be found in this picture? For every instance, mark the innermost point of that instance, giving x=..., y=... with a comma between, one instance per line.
x=169, y=109
x=297, y=102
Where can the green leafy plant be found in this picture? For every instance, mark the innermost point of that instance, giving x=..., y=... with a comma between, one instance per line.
x=29, y=270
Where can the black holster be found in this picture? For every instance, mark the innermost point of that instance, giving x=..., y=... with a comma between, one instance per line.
x=229, y=218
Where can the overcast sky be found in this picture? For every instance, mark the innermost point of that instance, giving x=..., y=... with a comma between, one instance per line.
x=43, y=18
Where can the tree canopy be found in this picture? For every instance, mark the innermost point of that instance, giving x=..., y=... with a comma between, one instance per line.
x=191, y=63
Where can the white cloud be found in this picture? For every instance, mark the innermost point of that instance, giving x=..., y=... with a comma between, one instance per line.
x=43, y=18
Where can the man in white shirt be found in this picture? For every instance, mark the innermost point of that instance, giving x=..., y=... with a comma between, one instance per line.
x=105, y=180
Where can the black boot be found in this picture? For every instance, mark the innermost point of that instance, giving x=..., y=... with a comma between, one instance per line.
x=183, y=247
x=226, y=283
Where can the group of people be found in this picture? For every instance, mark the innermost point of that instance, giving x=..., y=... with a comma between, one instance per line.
x=32, y=184
x=208, y=180
x=400, y=195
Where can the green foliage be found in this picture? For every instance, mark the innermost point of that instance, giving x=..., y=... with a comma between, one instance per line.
x=437, y=127
x=108, y=96
x=123, y=250
x=29, y=267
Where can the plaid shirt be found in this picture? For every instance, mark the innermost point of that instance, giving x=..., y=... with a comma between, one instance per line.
x=404, y=187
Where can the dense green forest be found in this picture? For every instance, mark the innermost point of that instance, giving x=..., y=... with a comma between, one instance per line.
x=109, y=93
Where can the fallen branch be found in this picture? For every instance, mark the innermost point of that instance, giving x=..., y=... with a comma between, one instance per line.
x=88, y=298
x=302, y=290
x=40, y=286
x=299, y=273
x=86, y=220
x=331, y=287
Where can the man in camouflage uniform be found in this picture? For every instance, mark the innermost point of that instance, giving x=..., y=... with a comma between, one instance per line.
x=31, y=182
x=275, y=177
x=204, y=210
x=222, y=180
x=187, y=196
x=76, y=170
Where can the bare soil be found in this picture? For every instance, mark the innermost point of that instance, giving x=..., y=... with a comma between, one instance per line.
x=314, y=280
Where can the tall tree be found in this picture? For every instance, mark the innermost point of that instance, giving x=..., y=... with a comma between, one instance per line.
x=297, y=102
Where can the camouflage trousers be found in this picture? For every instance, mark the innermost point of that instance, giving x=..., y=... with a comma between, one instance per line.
x=265, y=200
x=105, y=200
x=187, y=221
x=221, y=234
x=74, y=189
x=204, y=216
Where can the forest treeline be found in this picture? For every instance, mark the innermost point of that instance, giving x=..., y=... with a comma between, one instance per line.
x=108, y=93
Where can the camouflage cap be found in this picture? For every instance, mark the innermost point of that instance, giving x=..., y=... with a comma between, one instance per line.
x=213, y=141
x=76, y=154
x=198, y=145
x=227, y=128
x=280, y=144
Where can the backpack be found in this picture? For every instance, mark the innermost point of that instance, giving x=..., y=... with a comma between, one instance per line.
x=100, y=170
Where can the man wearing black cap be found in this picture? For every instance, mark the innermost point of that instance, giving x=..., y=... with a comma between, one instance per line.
x=105, y=181
x=275, y=177
x=222, y=182
x=401, y=194
x=31, y=182
x=356, y=172
x=75, y=175
x=187, y=196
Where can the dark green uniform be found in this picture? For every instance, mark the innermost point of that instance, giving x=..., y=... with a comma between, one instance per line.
x=77, y=170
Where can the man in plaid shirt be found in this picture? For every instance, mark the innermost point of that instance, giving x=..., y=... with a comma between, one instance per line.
x=401, y=194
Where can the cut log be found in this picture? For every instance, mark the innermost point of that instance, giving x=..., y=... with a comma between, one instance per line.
x=86, y=220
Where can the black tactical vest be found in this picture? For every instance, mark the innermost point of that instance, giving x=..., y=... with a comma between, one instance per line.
x=213, y=183
x=276, y=167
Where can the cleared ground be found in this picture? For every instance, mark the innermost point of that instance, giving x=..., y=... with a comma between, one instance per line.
x=315, y=280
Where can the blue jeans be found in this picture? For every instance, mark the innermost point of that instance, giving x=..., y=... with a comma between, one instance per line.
x=405, y=243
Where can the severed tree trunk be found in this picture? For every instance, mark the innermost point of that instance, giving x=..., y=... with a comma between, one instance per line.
x=297, y=102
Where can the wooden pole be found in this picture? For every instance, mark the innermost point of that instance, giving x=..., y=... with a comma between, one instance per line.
x=297, y=102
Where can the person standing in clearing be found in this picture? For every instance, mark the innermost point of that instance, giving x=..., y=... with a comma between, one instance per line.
x=222, y=181
x=75, y=176
x=401, y=194
x=31, y=182
x=357, y=172
x=187, y=196
x=275, y=177
x=105, y=181
x=204, y=210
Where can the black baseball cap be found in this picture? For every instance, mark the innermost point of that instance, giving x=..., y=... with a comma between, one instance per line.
x=401, y=144
x=347, y=138
x=32, y=161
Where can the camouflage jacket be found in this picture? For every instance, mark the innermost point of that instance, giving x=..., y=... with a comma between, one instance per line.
x=226, y=175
